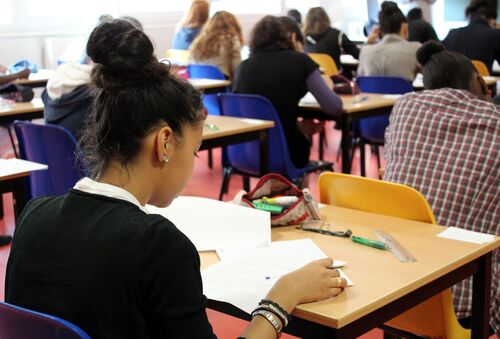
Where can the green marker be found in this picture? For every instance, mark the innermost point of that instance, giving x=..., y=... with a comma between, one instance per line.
x=268, y=208
x=372, y=243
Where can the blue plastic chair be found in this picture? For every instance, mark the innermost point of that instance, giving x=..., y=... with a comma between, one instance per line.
x=372, y=130
x=244, y=158
x=54, y=146
x=197, y=71
x=18, y=322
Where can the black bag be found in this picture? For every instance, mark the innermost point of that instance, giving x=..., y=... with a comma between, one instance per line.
x=16, y=92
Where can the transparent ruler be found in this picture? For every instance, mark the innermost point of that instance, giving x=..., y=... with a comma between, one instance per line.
x=395, y=247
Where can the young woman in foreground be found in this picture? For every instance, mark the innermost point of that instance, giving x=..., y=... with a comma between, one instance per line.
x=95, y=256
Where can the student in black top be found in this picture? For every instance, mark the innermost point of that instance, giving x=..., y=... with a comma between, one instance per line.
x=283, y=75
x=419, y=29
x=322, y=38
x=94, y=256
x=480, y=40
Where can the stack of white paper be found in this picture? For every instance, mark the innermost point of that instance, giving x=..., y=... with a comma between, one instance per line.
x=461, y=234
x=16, y=166
x=244, y=277
x=213, y=224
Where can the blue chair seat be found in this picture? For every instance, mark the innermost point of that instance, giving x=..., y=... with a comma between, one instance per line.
x=19, y=322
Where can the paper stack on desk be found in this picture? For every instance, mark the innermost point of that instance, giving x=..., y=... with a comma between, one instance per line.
x=213, y=224
x=243, y=278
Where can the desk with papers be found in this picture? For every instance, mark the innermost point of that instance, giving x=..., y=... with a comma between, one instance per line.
x=383, y=287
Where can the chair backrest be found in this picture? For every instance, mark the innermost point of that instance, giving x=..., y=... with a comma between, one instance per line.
x=245, y=156
x=211, y=103
x=373, y=128
x=384, y=85
x=18, y=322
x=54, y=146
x=326, y=63
x=434, y=317
x=205, y=72
x=481, y=68
x=375, y=196
x=178, y=56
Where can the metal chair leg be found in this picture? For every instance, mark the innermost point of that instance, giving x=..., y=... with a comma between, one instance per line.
x=226, y=176
x=362, y=158
x=210, y=159
x=246, y=183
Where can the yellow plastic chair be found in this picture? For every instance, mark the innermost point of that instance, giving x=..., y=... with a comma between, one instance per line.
x=178, y=56
x=326, y=64
x=481, y=68
x=434, y=317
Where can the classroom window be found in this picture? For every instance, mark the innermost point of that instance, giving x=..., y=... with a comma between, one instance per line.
x=246, y=7
x=6, y=14
x=153, y=6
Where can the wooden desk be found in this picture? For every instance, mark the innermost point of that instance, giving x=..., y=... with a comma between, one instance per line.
x=38, y=79
x=209, y=86
x=21, y=111
x=13, y=173
x=232, y=130
x=354, y=109
x=383, y=286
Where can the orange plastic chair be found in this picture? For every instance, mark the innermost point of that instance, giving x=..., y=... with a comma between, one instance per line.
x=481, y=68
x=326, y=64
x=434, y=317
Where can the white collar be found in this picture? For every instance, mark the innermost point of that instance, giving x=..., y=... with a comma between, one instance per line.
x=91, y=186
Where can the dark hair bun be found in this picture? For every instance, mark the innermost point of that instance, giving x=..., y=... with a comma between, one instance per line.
x=427, y=50
x=124, y=55
x=119, y=46
x=389, y=7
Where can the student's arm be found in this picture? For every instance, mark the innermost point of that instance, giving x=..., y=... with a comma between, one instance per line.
x=350, y=47
x=5, y=79
x=329, y=101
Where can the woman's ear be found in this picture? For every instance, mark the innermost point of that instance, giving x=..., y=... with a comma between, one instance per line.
x=164, y=143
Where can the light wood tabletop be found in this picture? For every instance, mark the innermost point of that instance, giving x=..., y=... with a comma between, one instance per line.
x=35, y=105
x=379, y=278
x=220, y=126
x=203, y=84
x=38, y=79
x=353, y=103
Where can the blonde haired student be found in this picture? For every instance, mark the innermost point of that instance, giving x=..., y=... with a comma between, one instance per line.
x=191, y=25
x=95, y=256
x=219, y=43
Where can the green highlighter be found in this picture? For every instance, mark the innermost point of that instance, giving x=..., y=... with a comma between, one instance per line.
x=372, y=243
x=268, y=208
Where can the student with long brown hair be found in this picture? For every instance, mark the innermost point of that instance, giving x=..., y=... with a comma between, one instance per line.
x=191, y=25
x=219, y=43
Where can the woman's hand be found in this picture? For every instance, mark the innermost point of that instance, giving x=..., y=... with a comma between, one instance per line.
x=312, y=282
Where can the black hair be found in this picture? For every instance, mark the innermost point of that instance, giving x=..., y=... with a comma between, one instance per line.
x=443, y=68
x=267, y=32
x=132, y=94
x=295, y=15
x=414, y=14
x=390, y=18
x=486, y=9
x=291, y=26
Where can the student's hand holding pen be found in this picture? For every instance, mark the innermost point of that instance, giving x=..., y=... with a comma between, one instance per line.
x=312, y=282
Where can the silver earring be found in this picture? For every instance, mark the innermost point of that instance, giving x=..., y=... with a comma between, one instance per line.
x=166, y=158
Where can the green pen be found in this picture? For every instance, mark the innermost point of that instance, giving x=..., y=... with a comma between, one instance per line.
x=372, y=243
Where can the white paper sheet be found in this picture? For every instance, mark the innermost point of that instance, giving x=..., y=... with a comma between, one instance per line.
x=308, y=99
x=212, y=224
x=204, y=82
x=455, y=233
x=243, y=280
x=15, y=166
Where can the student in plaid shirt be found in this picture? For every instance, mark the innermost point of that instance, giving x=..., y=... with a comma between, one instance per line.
x=445, y=142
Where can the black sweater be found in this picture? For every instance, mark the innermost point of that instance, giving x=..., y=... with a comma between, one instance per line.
x=109, y=268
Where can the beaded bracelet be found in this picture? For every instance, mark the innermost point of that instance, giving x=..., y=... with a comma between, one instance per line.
x=276, y=312
x=269, y=317
x=270, y=302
